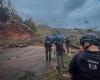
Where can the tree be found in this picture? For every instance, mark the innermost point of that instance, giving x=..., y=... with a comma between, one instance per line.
x=4, y=14
x=89, y=30
x=13, y=13
x=30, y=24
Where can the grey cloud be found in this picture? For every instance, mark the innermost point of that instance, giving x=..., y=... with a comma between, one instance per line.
x=72, y=5
x=61, y=13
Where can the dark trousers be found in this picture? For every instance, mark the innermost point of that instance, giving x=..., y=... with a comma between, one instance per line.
x=60, y=61
x=67, y=47
x=48, y=54
x=60, y=58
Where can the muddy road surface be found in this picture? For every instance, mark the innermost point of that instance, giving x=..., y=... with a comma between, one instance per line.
x=14, y=61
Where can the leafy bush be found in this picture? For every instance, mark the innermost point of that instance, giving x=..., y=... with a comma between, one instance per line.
x=27, y=75
x=54, y=74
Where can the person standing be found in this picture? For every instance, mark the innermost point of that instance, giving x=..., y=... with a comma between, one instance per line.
x=59, y=42
x=67, y=43
x=86, y=64
x=48, y=47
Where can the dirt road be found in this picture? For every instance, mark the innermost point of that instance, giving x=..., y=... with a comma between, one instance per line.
x=16, y=60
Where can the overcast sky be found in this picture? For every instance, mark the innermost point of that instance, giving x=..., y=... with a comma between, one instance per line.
x=61, y=13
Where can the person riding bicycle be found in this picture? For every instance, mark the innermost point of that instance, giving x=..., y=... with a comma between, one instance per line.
x=86, y=64
x=48, y=47
x=59, y=42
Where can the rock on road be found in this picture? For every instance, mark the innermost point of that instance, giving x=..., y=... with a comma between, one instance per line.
x=16, y=60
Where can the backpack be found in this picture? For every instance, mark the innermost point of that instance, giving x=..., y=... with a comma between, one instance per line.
x=85, y=55
x=89, y=64
x=59, y=40
x=48, y=41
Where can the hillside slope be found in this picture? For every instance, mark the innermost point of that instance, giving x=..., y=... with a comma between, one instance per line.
x=14, y=32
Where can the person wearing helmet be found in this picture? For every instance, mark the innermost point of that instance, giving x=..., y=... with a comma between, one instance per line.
x=48, y=47
x=59, y=42
x=86, y=64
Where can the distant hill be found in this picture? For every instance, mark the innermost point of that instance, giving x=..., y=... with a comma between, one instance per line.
x=44, y=30
x=74, y=34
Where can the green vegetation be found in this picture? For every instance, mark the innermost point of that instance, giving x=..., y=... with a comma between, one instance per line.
x=8, y=13
x=20, y=43
x=54, y=74
x=43, y=30
x=30, y=24
x=15, y=43
x=27, y=75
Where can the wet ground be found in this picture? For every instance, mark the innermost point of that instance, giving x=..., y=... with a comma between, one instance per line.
x=14, y=61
